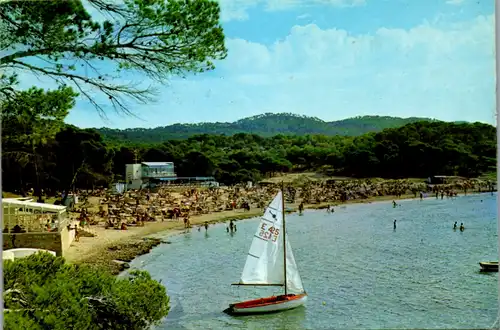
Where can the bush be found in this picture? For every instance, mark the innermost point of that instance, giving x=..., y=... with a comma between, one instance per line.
x=43, y=292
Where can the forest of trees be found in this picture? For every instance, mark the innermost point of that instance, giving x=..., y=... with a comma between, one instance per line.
x=267, y=125
x=80, y=157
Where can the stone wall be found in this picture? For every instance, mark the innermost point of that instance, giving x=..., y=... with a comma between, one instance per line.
x=47, y=241
x=58, y=242
x=67, y=237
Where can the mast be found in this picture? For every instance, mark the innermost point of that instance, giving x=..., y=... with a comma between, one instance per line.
x=284, y=230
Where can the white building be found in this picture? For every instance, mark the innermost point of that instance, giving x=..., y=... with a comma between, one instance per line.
x=137, y=176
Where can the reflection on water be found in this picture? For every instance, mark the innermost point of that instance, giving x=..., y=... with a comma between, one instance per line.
x=292, y=319
x=358, y=271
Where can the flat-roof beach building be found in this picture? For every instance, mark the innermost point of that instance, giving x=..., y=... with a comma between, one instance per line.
x=28, y=224
x=147, y=174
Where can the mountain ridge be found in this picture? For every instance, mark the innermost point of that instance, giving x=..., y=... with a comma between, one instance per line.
x=266, y=124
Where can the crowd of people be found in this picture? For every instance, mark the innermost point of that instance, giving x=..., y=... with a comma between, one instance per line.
x=167, y=203
x=180, y=204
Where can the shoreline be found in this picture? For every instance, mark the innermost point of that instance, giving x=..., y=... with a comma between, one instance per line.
x=114, y=254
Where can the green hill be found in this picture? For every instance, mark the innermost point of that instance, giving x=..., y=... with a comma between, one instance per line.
x=265, y=125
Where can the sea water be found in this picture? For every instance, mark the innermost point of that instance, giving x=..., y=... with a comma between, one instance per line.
x=358, y=271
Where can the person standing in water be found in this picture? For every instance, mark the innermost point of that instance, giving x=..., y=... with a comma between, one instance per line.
x=462, y=227
x=206, y=225
x=187, y=223
x=394, y=224
x=455, y=225
x=394, y=204
x=301, y=207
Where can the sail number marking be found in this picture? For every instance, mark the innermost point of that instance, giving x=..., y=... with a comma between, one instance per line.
x=269, y=233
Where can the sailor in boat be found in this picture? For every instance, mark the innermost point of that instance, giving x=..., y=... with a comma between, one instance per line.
x=455, y=226
x=462, y=227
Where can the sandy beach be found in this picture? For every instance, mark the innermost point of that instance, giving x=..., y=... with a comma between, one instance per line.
x=124, y=245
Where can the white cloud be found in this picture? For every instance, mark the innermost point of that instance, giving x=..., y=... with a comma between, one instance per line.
x=455, y=2
x=445, y=72
x=304, y=16
x=237, y=9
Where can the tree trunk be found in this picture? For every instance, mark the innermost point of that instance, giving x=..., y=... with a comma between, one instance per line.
x=38, y=189
x=72, y=183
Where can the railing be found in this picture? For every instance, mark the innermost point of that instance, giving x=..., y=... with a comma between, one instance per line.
x=162, y=174
x=34, y=223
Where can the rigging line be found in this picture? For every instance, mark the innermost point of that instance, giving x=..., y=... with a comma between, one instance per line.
x=495, y=323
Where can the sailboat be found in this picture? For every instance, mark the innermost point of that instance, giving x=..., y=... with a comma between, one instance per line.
x=270, y=262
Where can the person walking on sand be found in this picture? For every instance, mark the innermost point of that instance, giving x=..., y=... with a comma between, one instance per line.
x=77, y=233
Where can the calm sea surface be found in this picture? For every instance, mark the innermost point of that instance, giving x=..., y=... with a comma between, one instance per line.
x=358, y=271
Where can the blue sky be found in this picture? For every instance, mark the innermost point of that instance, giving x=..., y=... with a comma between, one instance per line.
x=335, y=59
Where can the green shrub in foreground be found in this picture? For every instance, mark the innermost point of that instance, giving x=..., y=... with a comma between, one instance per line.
x=43, y=292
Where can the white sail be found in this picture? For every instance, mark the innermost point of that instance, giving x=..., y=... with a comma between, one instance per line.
x=293, y=280
x=264, y=263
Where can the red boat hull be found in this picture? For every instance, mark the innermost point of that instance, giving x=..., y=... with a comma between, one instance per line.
x=268, y=305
